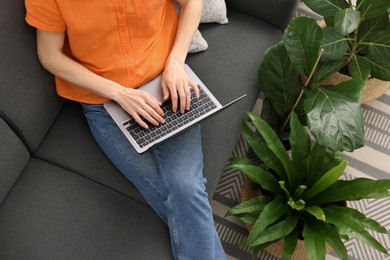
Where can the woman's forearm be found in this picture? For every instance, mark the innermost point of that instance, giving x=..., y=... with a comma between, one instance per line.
x=55, y=61
x=190, y=13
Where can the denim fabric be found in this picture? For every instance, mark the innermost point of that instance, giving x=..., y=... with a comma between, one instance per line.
x=169, y=177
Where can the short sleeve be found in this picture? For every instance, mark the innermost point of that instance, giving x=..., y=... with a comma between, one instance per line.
x=44, y=15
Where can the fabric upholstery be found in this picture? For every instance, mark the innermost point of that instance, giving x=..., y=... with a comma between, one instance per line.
x=214, y=11
x=54, y=214
x=276, y=12
x=69, y=144
x=13, y=158
x=28, y=101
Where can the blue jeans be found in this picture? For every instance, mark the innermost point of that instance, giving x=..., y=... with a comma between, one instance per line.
x=169, y=177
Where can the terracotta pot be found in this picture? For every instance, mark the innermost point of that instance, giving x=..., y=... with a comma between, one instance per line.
x=275, y=249
x=373, y=89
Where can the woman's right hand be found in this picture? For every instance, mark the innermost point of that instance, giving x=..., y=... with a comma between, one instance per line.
x=141, y=106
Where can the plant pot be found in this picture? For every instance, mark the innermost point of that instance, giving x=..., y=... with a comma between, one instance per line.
x=275, y=249
x=373, y=89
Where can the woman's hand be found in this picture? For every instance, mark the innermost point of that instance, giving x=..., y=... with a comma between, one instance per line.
x=176, y=84
x=141, y=106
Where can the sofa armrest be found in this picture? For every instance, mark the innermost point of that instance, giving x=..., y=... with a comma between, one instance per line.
x=276, y=12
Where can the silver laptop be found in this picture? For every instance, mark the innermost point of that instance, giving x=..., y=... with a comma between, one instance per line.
x=141, y=138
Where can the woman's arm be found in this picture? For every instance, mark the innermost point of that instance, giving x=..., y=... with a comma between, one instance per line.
x=175, y=81
x=135, y=102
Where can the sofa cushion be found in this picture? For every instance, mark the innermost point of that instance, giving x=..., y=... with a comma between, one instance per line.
x=69, y=144
x=13, y=158
x=28, y=101
x=52, y=213
x=277, y=12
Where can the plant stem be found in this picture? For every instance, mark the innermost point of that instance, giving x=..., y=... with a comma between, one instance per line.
x=302, y=91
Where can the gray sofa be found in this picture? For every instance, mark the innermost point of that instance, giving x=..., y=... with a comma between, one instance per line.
x=60, y=198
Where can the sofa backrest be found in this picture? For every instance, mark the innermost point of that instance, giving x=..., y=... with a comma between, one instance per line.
x=276, y=12
x=28, y=101
x=13, y=158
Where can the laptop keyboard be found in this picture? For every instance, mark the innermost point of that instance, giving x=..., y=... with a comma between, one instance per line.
x=173, y=121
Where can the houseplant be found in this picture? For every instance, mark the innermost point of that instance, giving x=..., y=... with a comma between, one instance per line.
x=356, y=40
x=358, y=33
x=301, y=194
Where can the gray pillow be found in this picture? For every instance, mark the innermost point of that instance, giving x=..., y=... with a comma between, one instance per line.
x=214, y=11
x=198, y=43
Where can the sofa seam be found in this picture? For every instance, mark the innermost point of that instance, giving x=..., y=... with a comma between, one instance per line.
x=81, y=174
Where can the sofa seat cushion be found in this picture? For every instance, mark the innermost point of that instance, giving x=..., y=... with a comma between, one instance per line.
x=52, y=213
x=229, y=69
x=69, y=144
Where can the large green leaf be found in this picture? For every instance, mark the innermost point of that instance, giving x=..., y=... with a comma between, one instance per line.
x=300, y=148
x=356, y=189
x=275, y=232
x=258, y=175
x=349, y=226
x=346, y=21
x=316, y=212
x=321, y=160
x=379, y=47
x=271, y=212
x=351, y=88
x=314, y=238
x=372, y=8
x=335, y=45
x=275, y=145
x=289, y=244
x=332, y=237
x=260, y=148
x=359, y=68
x=325, y=181
x=242, y=160
x=360, y=217
x=325, y=69
x=302, y=39
x=269, y=114
x=335, y=120
x=279, y=80
x=252, y=205
x=326, y=7
x=379, y=69
x=368, y=27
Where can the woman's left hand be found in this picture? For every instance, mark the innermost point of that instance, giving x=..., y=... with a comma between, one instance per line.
x=176, y=84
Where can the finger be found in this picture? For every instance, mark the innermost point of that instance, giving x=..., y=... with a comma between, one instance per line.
x=154, y=110
x=195, y=88
x=155, y=104
x=138, y=119
x=165, y=90
x=182, y=92
x=188, y=97
x=147, y=115
x=174, y=99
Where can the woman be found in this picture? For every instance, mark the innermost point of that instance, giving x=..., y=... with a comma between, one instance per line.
x=104, y=50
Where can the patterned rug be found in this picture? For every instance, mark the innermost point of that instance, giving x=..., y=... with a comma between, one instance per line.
x=373, y=161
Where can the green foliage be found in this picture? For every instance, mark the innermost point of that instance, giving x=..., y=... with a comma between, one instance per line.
x=356, y=41
x=301, y=194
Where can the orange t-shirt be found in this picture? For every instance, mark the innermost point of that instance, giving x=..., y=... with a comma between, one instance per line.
x=126, y=41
